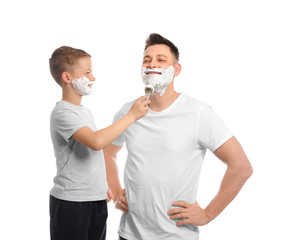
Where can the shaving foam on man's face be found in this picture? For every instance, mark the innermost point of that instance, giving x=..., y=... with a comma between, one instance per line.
x=159, y=78
x=82, y=85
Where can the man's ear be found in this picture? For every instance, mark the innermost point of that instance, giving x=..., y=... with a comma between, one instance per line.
x=177, y=69
x=66, y=77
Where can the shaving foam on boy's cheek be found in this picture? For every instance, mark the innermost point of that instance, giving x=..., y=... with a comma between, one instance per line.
x=161, y=81
x=81, y=85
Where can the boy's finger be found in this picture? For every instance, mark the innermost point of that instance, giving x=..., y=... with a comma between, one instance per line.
x=109, y=197
x=147, y=102
x=109, y=192
x=142, y=98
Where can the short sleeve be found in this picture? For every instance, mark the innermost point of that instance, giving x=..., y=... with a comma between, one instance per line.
x=120, y=140
x=67, y=122
x=212, y=132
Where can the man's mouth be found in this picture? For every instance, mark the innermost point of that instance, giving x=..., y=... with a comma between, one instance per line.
x=151, y=72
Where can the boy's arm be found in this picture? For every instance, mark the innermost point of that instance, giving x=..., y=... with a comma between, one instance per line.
x=110, y=155
x=101, y=138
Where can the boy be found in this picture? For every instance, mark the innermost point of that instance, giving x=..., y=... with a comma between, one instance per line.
x=78, y=208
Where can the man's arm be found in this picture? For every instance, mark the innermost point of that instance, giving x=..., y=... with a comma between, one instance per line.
x=119, y=198
x=101, y=138
x=238, y=171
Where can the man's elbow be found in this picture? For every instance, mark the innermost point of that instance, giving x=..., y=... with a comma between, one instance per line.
x=247, y=171
x=243, y=170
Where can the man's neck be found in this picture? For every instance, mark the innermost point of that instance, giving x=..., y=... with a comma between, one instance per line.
x=159, y=103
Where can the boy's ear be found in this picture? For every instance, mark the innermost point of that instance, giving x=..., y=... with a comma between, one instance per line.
x=66, y=77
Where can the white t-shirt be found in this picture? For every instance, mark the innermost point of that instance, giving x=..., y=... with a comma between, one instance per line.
x=165, y=155
x=81, y=173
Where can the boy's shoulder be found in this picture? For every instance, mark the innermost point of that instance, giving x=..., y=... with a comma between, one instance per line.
x=61, y=108
x=66, y=106
x=64, y=109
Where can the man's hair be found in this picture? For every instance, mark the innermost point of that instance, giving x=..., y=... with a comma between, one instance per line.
x=63, y=59
x=155, y=38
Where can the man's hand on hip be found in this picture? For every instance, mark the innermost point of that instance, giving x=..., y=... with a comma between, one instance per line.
x=191, y=214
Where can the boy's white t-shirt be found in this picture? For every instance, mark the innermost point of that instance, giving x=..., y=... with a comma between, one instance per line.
x=81, y=173
x=165, y=155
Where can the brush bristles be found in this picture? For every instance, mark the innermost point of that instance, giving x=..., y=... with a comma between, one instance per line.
x=148, y=90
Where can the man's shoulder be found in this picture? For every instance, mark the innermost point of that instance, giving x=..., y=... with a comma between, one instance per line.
x=192, y=103
x=123, y=110
x=126, y=107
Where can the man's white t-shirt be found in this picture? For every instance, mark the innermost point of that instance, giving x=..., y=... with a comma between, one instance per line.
x=165, y=155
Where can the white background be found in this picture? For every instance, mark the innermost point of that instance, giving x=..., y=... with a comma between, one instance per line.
x=232, y=57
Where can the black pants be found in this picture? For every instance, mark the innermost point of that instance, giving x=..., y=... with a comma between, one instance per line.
x=120, y=238
x=77, y=220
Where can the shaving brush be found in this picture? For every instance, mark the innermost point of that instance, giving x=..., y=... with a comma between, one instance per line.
x=148, y=89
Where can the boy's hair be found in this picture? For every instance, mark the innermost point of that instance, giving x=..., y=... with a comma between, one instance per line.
x=63, y=59
x=155, y=38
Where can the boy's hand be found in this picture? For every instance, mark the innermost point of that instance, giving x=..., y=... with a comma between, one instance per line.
x=122, y=203
x=139, y=108
x=109, y=195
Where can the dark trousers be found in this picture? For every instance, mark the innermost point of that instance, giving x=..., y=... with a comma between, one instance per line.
x=120, y=238
x=77, y=220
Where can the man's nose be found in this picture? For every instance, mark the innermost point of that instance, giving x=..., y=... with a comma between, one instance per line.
x=153, y=64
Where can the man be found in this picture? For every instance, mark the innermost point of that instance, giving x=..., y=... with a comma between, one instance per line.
x=165, y=153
